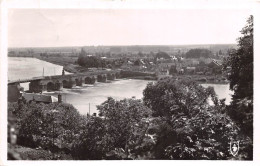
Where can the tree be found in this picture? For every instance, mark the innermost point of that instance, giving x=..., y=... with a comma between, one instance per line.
x=187, y=94
x=220, y=52
x=119, y=132
x=241, y=79
x=90, y=61
x=241, y=63
x=163, y=55
x=198, y=52
x=89, y=143
x=36, y=121
x=173, y=70
x=137, y=62
x=197, y=130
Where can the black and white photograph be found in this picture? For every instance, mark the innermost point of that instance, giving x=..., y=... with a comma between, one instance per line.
x=131, y=83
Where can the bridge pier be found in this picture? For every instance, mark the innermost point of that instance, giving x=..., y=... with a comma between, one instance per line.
x=54, y=83
x=65, y=84
x=72, y=83
x=78, y=81
x=37, y=87
x=58, y=86
x=101, y=78
x=111, y=76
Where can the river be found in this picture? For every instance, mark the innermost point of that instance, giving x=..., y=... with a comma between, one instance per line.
x=86, y=98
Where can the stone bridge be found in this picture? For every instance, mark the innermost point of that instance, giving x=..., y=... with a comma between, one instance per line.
x=57, y=82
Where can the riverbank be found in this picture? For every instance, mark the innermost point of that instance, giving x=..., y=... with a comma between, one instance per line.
x=204, y=79
x=69, y=64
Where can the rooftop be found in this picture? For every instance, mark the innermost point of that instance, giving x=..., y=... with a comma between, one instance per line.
x=39, y=97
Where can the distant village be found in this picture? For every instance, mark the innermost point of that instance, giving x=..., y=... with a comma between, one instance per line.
x=172, y=65
x=164, y=60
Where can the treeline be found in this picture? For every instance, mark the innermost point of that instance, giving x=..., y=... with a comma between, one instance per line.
x=90, y=61
x=93, y=61
x=199, y=53
x=163, y=55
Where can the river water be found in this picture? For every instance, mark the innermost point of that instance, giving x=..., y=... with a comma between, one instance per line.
x=86, y=98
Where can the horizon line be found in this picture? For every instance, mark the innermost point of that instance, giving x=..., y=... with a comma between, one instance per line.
x=124, y=45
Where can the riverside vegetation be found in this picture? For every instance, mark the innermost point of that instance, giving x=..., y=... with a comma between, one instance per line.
x=173, y=121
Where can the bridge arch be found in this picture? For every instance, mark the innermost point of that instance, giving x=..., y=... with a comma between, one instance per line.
x=90, y=80
x=78, y=81
x=50, y=86
x=117, y=75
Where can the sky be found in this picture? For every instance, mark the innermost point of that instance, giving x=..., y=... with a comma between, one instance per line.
x=88, y=27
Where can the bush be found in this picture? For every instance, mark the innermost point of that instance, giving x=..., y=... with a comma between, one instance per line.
x=121, y=129
x=39, y=123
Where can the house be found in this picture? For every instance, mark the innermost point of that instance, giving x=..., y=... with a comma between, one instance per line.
x=180, y=70
x=190, y=69
x=39, y=98
x=215, y=66
x=215, y=63
x=162, y=70
x=167, y=64
x=191, y=62
x=173, y=58
x=130, y=63
x=195, y=62
x=142, y=62
x=151, y=63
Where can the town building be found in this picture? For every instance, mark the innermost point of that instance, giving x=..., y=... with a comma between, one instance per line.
x=39, y=98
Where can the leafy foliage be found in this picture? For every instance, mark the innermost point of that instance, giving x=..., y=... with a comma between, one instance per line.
x=162, y=55
x=169, y=97
x=174, y=120
x=200, y=130
x=241, y=79
x=241, y=63
x=173, y=70
x=198, y=52
x=90, y=61
x=119, y=131
x=39, y=124
x=88, y=144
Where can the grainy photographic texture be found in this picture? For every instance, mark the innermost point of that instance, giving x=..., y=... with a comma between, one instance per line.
x=130, y=84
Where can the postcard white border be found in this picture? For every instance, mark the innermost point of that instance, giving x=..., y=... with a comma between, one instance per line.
x=253, y=5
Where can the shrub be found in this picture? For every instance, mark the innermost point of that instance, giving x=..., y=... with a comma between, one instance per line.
x=39, y=123
x=201, y=131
